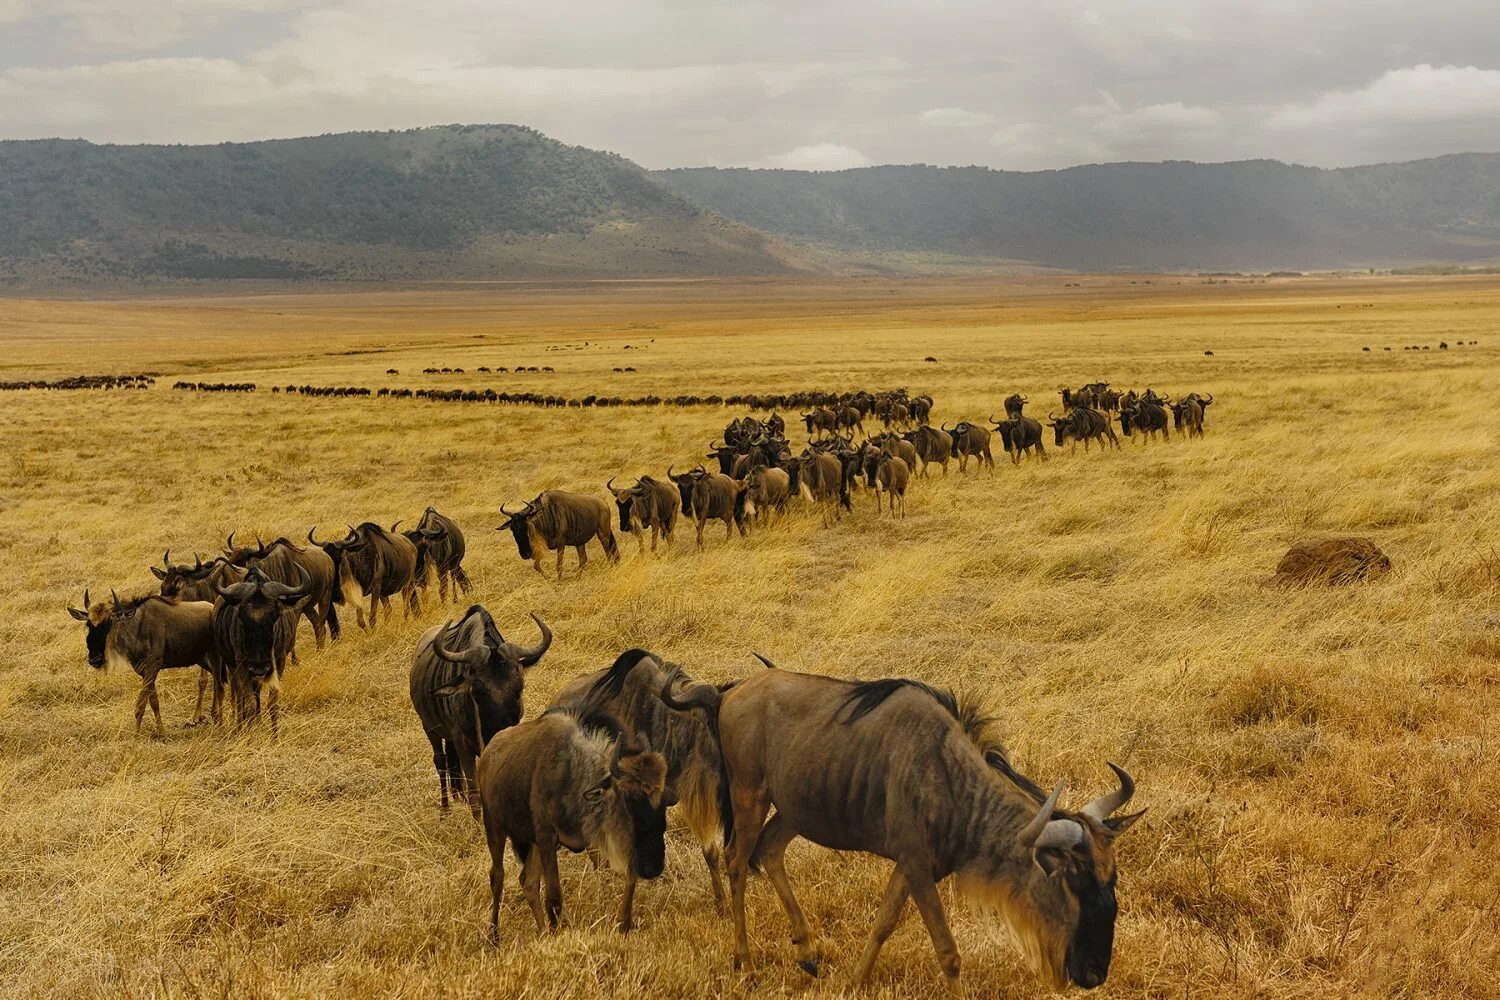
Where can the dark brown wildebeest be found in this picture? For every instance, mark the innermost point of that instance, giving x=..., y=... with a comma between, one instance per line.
x=1020, y=434
x=466, y=682
x=971, y=441
x=440, y=551
x=195, y=583
x=821, y=476
x=1187, y=417
x=685, y=482
x=770, y=489
x=1148, y=418
x=151, y=634
x=559, y=781
x=897, y=769
x=280, y=561
x=1082, y=423
x=848, y=418
x=629, y=690
x=920, y=408
x=1014, y=404
x=822, y=420
x=254, y=626
x=649, y=503
x=556, y=520
x=893, y=413
x=717, y=497
x=933, y=446
x=373, y=563
x=891, y=478
x=775, y=425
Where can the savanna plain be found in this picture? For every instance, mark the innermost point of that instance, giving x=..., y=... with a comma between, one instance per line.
x=1321, y=766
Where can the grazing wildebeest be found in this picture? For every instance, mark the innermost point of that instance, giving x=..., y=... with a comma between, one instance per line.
x=629, y=690
x=150, y=634
x=770, y=488
x=822, y=479
x=933, y=445
x=971, y=441
x=891, y=478
x=466, y=683
x=1020, y=434
x=649, y=503
x=717, y=497
x=897, y=769
x=440, y=551
x=1082, y=423
x=558, y=780
x=375, y=563
x=281, y=561
x=555, y=520
x=254, y=624
x=1147, y=417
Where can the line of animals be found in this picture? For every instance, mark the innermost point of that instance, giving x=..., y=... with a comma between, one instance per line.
x=1442, y=346
x=214, y=386
x=481, y=368
x=144, y=381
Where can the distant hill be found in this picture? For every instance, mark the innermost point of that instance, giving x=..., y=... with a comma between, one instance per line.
x=1252, y=214
x=456, y=202
x=476, y=202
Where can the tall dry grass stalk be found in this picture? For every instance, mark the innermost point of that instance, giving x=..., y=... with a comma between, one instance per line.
x=1321, y=765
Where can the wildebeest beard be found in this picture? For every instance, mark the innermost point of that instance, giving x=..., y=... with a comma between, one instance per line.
x=259, y=615
x=649, y=824
x=520, y=530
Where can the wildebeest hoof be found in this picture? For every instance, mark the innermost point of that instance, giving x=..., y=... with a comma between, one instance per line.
x=809, y=966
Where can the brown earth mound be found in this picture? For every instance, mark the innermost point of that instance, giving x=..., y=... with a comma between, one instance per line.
x=1331, y=561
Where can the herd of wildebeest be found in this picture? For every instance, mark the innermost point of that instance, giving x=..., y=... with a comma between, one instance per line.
x=891, y=767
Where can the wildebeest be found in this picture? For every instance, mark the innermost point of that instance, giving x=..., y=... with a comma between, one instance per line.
x=685, y=482
x=897, y=769
x=717, y=497
x=1084, y=424
x=1020, y=434
x=1014, y=403
x=899, y=446
x=281, y=561
x=558, y=780
x=466, y=683
x=770, y=489
x=555, y=520
x=933, y=446
x=822, y=479
x=891, y=478
x=440, y=551
x=254, y=623
x=629, y=690
x=971, y=441
x=150, y=634
x=374, y=563
x=1150, y=418
x=822, y=420
x=649, y=503
x=1187, y=417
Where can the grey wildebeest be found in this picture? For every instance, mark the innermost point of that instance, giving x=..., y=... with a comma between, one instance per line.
x=900, y=770
x=1020, y=434
x=151, y=634
x=933, y=446
x=440, y=551
x=556, y=520
x=371, y=562
x=561, y=781
x=891, y=478
x=280, y=561
x=629, y=690
x=971, y=441
x=717, y=497
x=254, y=624
x=466, y=683
x=649, y=503
x=1084, y=424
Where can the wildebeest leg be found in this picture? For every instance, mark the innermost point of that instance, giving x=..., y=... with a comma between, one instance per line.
x=583, y=558
x=701, y=522
x=203, y=676
x=729, y=529
x=886, y=919
x=320, y=630
x=496, y=841
x=440, y=761
x=627, y=904
x=531, y=881
x=772, y=855
x=374, y=605
x=711, y=858
x=924, y=893
x=548, y=848
x=411, y=603
x=640, y=540
x=560, y=551
x=750, y=808
x=463, y=580
x=273, y=700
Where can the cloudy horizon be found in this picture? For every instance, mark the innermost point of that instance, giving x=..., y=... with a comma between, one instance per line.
x=824, y=85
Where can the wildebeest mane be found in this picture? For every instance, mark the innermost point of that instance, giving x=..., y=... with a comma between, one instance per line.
x=492, y=636
x=995, y=757
x=866, y=696
x=590, y=717
x=613, y=681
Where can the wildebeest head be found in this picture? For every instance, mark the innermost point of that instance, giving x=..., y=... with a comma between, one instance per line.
x=638, y=777
x=625, y=499
x=258, y=603
x=175, y=576
x=422, y=539
x=519, y=525
x=491, y=673
x=1067, y=906
x=99, y=619
x=726, y=455
x=685, y=482
x=1014, y=403
x=241, y=556
x=1060, y=428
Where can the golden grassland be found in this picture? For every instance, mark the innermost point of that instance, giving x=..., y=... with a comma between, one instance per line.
x=1320, y=765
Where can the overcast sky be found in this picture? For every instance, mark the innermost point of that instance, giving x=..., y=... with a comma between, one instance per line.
x=820, y=85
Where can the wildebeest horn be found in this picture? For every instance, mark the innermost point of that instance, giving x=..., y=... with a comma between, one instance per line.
x=310, y=539
x=993, y=420
x=114, y=597
x=530, y=657
x=610, y=485
x=259, y=545
x=443, y=652
x=397, y=524
x=1105, y=805
x=229, y=543
x=166, y=559
x=1025, y=399
x=1210, y=398
x=235, y=592
x=1033, y=830
x=944, y=425
x=283, y=592
x=763, y=659
x=85, y=598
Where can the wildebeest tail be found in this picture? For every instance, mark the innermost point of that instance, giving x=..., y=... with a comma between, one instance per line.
x=607, y=539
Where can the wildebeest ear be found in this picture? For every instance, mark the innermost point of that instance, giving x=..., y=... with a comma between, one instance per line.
x=597, y=792
x=461, y=689
x=82, y=616
x=1049, y=860
x=1119, y=824
x=158, y=572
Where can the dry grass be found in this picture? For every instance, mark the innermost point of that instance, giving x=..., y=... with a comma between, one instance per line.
x=1321, y=765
